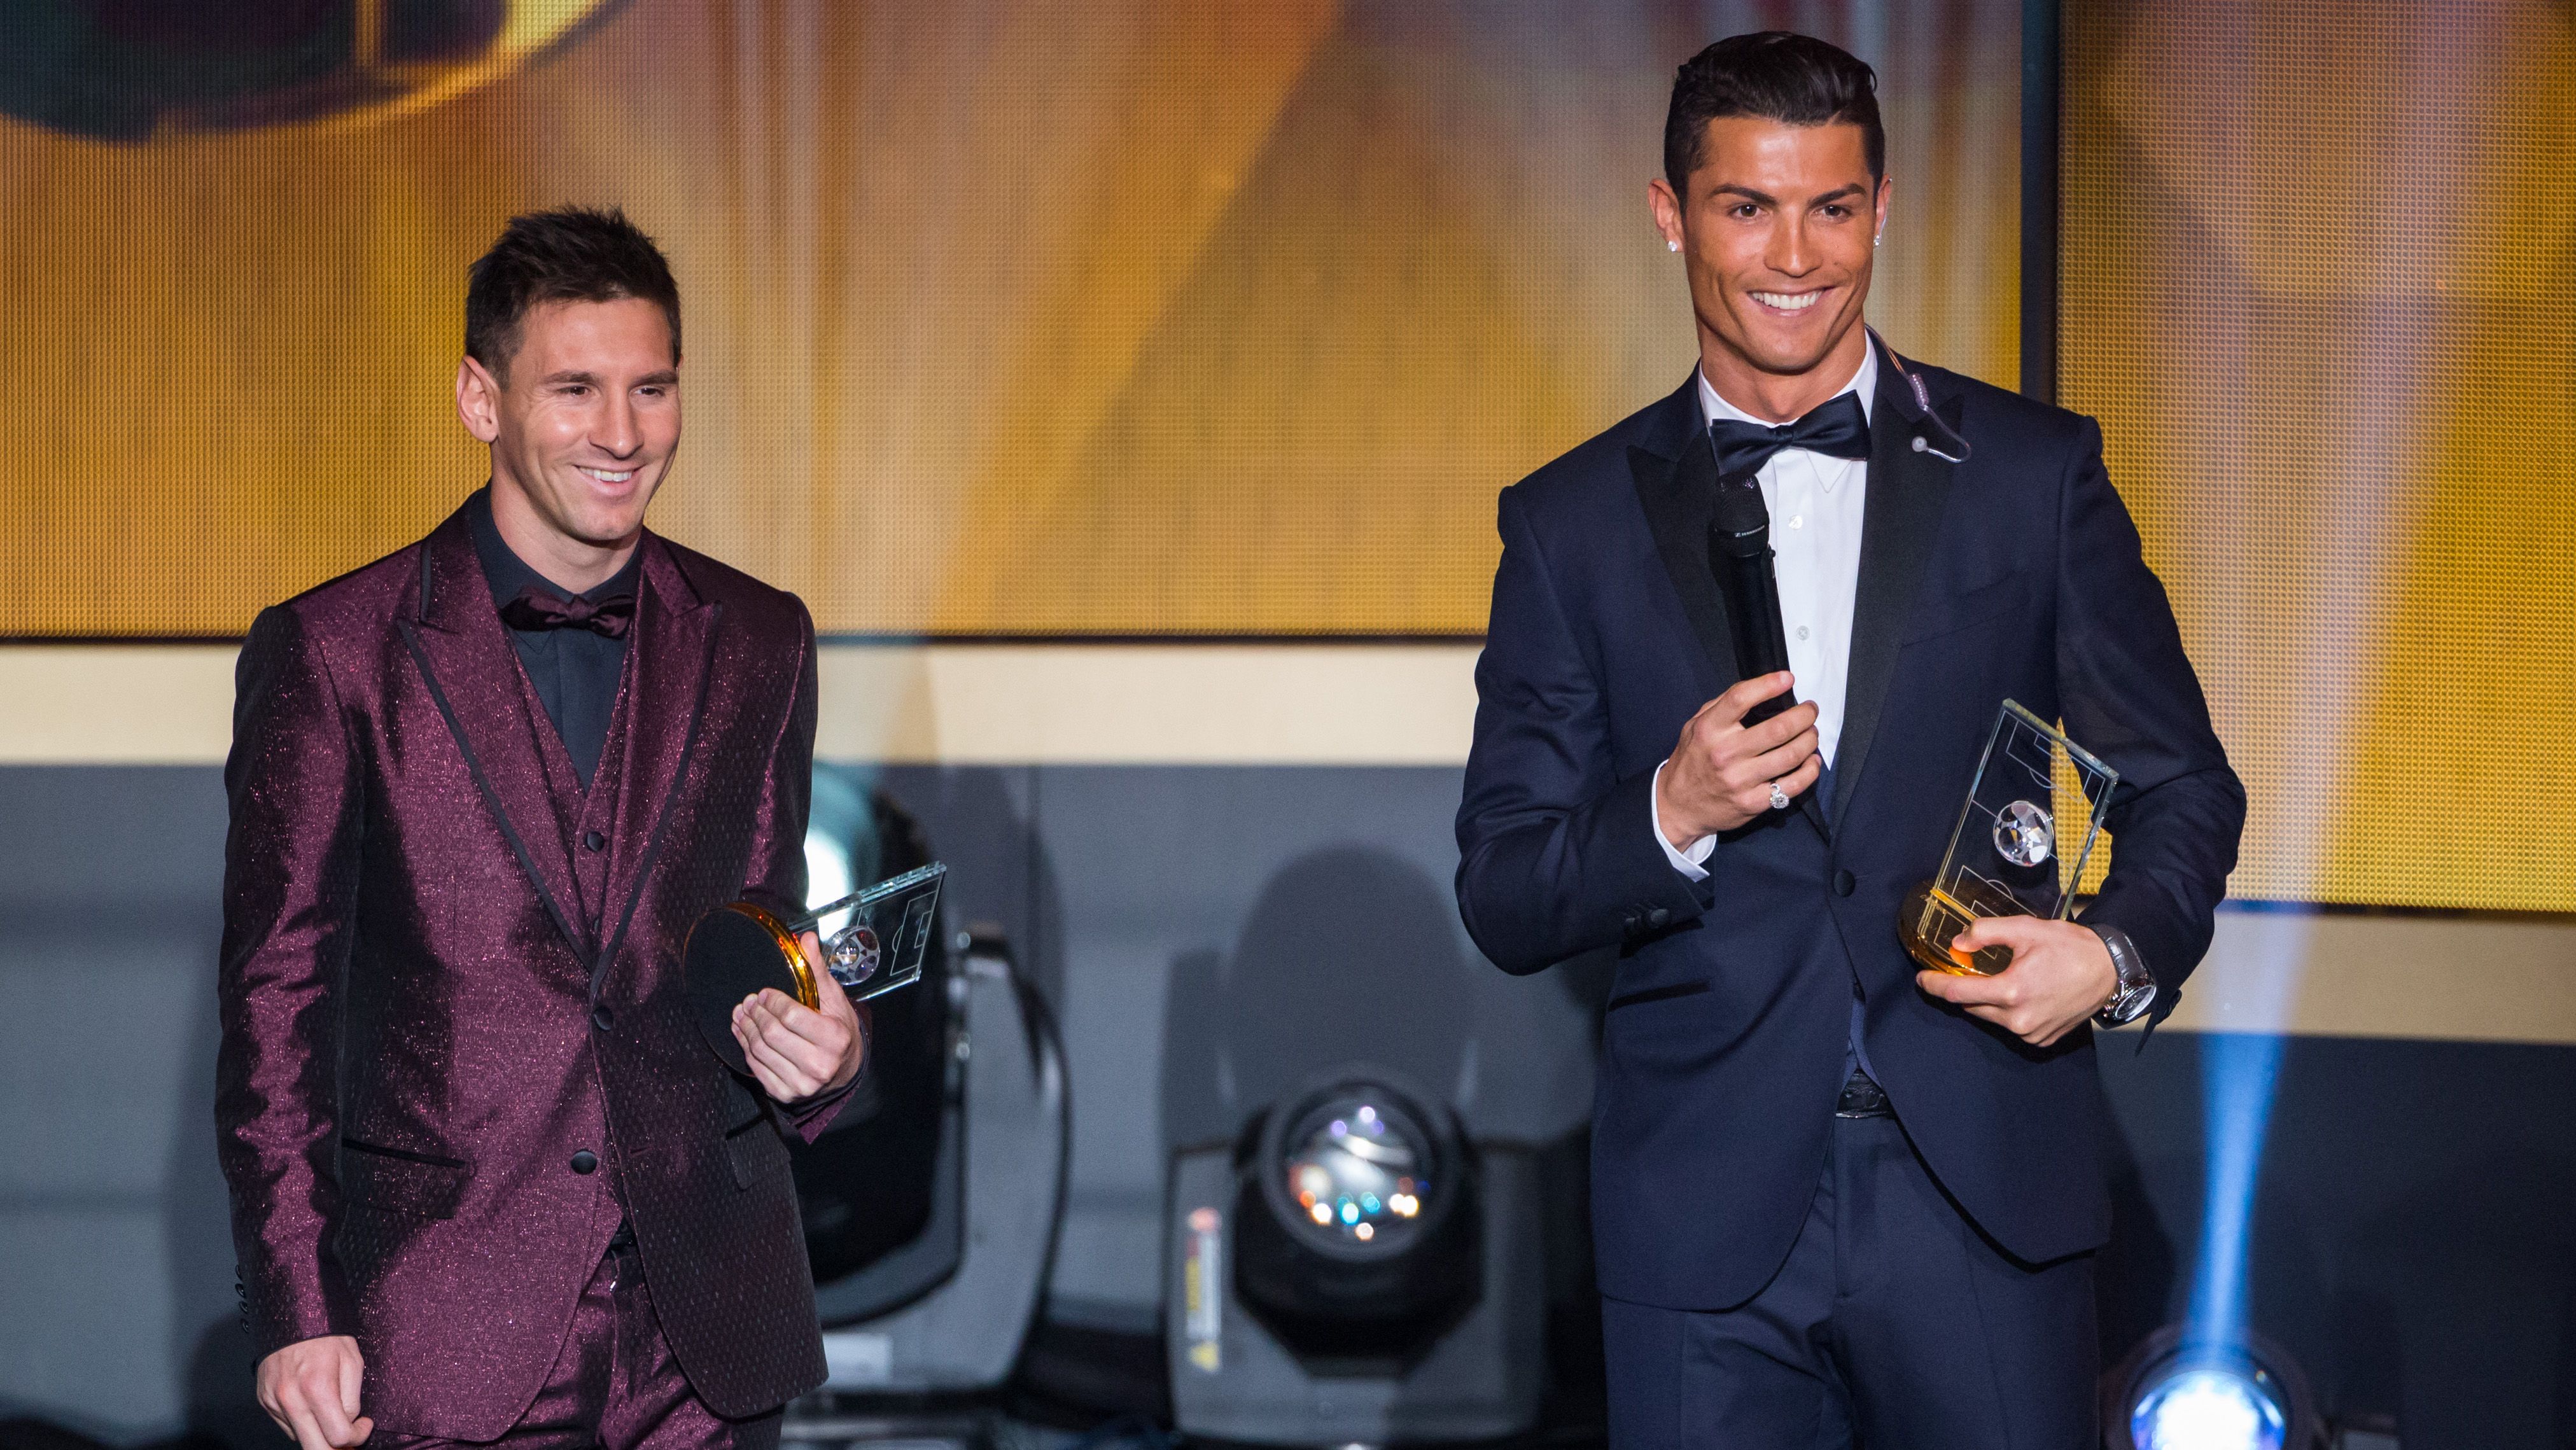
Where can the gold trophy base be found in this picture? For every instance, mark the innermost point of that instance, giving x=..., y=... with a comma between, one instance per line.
x=1930, y=920
x=791, y=955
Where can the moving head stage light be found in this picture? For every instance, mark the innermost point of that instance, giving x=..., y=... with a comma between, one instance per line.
x=931, y=1203
x=1355, y=1216
x=1353, y=1270
x=2243, y=1394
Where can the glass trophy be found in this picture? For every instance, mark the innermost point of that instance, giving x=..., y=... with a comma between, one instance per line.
x=874, y=941
x=2020, y=846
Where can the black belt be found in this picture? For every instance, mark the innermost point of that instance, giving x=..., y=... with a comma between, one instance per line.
x=1863, y=1098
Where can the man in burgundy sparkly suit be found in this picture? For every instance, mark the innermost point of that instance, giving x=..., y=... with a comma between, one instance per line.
x=487, y=1181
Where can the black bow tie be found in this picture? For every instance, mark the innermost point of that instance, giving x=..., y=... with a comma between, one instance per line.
x=535, y=609
x=1839, y=429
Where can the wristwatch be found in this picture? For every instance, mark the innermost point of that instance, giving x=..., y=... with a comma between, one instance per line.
x=2137, y=989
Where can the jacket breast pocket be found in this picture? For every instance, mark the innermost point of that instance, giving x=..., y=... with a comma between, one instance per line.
x=755, y=1151
x=401, y=1181
x=1951, y=613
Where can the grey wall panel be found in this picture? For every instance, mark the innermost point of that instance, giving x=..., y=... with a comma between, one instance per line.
x=116, y=1300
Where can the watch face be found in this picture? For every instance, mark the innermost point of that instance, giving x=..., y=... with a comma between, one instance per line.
x=2126, y=1005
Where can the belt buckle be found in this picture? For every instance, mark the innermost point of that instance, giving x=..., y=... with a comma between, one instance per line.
x=1862, y=1098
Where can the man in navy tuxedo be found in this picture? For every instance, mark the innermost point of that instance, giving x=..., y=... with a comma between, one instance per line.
x=1835, y=1199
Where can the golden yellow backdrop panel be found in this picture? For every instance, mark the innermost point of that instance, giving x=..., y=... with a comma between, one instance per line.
x=2319, y=285
x=1123, y=317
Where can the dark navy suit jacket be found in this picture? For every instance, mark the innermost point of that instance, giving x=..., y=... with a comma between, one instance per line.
x=2016, y=574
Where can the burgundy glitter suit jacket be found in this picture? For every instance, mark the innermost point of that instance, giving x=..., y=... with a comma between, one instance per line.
x=450, y=975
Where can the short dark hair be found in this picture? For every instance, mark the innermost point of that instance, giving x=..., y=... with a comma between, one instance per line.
x=567, y=254
x=1779, y=76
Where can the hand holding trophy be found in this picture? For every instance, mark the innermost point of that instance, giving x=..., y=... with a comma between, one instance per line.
x=740, y=948
x=2011, y=854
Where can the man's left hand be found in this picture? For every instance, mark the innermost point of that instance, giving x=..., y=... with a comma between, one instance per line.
x=2061, y=975
x=796, y=1052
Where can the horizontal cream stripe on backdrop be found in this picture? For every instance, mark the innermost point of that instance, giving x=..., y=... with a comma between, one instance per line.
x=2499, y=979
x=898, y=705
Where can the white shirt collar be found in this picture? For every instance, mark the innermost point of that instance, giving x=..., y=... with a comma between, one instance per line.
x=1864, y=381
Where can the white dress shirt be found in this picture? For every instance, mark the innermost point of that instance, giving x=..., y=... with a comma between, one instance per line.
x=1815, y=502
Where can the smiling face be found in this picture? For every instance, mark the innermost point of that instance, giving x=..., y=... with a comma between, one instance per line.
x=1776, y=237
x=582, y=423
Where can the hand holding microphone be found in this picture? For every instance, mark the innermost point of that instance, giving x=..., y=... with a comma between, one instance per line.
x=1753, y=749
x=1726, y=764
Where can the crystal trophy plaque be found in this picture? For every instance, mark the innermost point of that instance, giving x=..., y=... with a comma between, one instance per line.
x=740, y=948
x=2014, y=852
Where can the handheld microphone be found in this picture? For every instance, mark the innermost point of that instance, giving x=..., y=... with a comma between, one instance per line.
x=1739, y=555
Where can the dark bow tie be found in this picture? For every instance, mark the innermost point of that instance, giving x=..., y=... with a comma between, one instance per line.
x=535, y=609
x=1839, y=429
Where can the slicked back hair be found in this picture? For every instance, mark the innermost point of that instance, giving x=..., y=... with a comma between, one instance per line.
x=567, y=254
x=1797, y=80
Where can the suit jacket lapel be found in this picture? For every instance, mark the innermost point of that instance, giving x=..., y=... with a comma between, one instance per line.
x=473, y=674
x=1899, y=520
x=1675, y=473
x=674, y=648
x=1676, y=481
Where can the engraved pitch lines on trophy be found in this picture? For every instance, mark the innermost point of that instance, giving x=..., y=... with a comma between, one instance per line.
x=2018, y=829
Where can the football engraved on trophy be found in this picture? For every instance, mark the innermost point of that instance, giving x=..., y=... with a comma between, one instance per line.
x=854, y=956
x=2007, y=856
x=2023, y=833
x=741, y=948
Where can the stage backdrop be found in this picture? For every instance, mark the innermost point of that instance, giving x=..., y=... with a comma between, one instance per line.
x=1135, y=318
x=2319, y=275
x=1120, y=317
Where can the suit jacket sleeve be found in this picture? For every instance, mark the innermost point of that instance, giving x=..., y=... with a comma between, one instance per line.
x=290, y=888
x=775, y=875
x=2129, y=695
x=1556, y=855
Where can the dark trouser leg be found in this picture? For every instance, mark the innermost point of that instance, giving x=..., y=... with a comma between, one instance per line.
x=650, y=1405
x=1758, y=1376
x=1947, y=1340
x=1893, y=1325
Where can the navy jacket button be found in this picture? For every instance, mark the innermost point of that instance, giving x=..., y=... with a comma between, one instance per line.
x=1844, y=884
x=1658, y=917
x=584, y=1161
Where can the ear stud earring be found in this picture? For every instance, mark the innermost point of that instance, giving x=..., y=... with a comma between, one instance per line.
x=1672, y=246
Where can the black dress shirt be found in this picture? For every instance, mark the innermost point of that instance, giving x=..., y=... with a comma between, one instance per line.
x=575, y=672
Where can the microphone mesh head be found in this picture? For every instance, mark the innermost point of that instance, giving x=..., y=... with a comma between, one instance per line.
x=1742, y=522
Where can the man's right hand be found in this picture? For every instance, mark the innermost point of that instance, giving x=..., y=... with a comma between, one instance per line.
x=310, y=1388
x=1721, y=771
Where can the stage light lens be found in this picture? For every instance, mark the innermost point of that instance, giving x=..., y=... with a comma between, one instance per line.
x=1352, y=1167
x=2208, y=1409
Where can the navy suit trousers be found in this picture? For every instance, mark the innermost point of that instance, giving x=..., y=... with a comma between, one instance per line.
x=1893, y=1325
